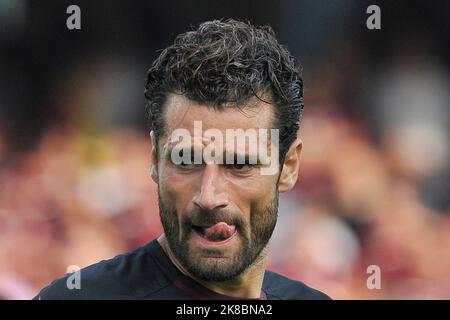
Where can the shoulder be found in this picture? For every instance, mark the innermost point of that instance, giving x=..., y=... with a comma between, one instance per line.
x=126, y=276
x=278, y=287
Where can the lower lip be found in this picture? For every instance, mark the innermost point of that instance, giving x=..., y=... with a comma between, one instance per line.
x=214, y=243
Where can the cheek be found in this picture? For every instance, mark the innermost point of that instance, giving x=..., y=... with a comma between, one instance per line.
x=253, y=194
x=175, y=189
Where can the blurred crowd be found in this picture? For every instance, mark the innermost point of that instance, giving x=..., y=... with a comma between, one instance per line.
x=73, y=201
x=373, y=189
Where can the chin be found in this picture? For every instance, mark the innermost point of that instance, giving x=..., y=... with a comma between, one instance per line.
x=214, y=269
x=214, y=264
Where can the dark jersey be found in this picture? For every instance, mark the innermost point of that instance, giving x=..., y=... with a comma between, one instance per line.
x=147, y=273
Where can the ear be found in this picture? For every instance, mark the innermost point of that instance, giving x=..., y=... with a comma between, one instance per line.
x=291, y=167
x=153, y=157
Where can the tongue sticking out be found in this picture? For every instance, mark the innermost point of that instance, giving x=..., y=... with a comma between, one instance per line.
x=219, y=231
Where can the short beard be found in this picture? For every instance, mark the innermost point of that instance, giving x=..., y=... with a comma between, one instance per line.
x=262, y=224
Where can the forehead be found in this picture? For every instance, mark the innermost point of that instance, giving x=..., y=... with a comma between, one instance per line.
x=180, y=112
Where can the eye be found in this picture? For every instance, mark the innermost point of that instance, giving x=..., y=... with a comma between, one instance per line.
x=241, y=167
x=182, y=162
x=186, y=165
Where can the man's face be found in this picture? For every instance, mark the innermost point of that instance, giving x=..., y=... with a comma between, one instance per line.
x=217, y=217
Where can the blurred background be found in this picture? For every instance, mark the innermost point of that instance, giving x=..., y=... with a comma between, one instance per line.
x=375, y=179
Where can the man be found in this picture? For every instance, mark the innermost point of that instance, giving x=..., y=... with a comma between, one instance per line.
x=218, y=197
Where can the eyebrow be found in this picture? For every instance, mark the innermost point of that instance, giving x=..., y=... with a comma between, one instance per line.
x=235, y=156
x=244, y=156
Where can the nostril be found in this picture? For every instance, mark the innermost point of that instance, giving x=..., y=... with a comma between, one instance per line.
x=211, y=202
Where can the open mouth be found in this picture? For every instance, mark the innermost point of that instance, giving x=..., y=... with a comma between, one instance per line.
x=217, y=233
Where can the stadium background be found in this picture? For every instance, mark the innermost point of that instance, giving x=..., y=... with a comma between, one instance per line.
x=374, y=183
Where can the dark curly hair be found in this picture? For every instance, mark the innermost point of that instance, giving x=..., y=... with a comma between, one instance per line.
x=224, y=63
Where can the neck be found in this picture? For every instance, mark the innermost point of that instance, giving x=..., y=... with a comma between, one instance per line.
x=247, y=285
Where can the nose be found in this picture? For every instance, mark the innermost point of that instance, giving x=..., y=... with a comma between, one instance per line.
x=211, y=195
